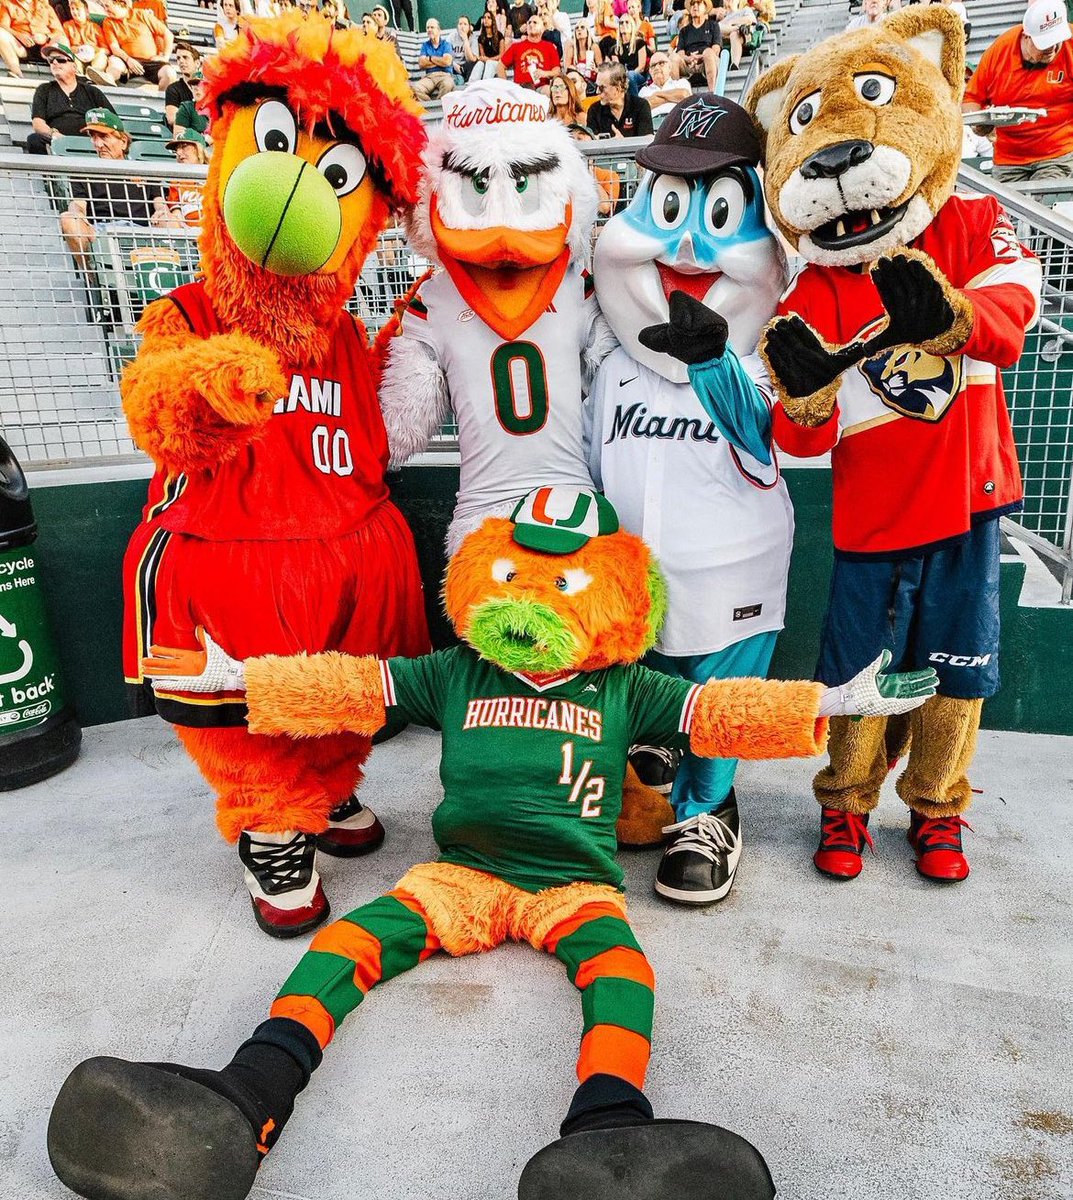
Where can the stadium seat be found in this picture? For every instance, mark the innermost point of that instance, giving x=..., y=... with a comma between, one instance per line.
x=73, y=147
x=146, y=127
x=150, y=150
x=129, y=110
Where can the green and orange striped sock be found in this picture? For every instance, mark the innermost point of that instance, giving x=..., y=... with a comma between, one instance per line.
x=373, y=943
x=606, y=963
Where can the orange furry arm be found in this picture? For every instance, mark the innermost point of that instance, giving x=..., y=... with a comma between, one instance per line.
x=758, y=718
x=310, y=695
x=194, y=402
x=392, y=328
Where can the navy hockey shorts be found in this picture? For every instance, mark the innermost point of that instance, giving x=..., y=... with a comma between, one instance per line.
x=939, y=610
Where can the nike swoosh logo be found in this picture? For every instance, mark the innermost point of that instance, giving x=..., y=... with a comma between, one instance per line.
x=623, y=382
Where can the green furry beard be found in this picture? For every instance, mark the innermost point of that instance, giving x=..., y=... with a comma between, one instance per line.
x=521, y=635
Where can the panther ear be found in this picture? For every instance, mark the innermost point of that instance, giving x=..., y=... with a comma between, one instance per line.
x=766, y=95
x=936, y=32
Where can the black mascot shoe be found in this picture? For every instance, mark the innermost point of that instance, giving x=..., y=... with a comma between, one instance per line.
x=137, y=1131
x=656, y=766
x=654, y=1160
x=353, y=830
x=701, y=859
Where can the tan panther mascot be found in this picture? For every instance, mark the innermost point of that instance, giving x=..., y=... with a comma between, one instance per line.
x=887, y=355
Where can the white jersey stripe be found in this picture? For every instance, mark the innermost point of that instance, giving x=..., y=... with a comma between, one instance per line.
x=387, y=683
x=688, y=707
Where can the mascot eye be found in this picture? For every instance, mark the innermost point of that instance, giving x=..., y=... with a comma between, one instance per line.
x=503, y=570
x=874, y=88
x=724, y=207
x=669, y=202
x=343, y=166
x=521, y=184
x=573, y=581
x=274, y=127
x=804, y=111
x=480, y=184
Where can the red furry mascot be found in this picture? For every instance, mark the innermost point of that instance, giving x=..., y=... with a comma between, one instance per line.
x=268, y=520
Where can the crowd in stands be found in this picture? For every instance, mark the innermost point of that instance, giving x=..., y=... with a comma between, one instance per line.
x=536, y=45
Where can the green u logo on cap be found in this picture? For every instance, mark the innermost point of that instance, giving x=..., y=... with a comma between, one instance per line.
x=559, y=520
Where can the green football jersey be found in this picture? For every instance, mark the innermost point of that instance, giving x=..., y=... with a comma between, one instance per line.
x=532, y=775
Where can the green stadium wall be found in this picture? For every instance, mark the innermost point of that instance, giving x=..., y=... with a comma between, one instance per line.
x=84, y=529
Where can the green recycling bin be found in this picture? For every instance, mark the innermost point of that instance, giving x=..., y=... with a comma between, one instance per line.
x=38, y=731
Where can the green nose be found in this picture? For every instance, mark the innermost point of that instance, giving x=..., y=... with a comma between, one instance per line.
x=282, y=213
x=521, y=635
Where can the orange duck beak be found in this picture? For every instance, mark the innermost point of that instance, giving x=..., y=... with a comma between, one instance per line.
x=507, y=276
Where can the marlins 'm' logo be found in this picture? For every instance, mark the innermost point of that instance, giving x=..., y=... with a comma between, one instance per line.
x=914, y=383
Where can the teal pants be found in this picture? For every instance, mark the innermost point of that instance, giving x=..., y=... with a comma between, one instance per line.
x=702, y=784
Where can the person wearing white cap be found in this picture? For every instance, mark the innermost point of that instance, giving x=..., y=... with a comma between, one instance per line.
x=1030, y=66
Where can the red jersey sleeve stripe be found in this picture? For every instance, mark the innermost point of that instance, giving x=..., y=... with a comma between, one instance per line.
x=388, y=683
x=688, y=707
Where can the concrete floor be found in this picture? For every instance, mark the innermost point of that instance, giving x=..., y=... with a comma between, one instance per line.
x=877, y=1040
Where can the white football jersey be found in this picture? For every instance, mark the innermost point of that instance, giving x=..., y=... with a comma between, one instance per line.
x=719, y=522
x=517, y=404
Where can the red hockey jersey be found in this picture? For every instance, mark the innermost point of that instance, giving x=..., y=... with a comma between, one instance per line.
x=921, y=446
x=317, y=471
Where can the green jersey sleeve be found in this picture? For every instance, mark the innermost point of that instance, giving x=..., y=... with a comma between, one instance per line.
x=660, y=707
x=416, y=688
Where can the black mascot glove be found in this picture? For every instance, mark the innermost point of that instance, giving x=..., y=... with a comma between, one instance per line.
x=798, y=361
x=916, y=302
x=694, y=334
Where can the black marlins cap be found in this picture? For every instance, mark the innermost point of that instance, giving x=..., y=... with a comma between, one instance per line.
x=702, y=134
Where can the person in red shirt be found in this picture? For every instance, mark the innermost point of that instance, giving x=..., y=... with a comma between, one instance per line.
x=25, y=27
x=141, y=41
x=533, y=60
x=1030, y=66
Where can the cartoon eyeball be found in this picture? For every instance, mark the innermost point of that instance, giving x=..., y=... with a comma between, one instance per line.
x=724, y=206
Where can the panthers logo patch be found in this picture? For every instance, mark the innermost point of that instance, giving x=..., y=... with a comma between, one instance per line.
x=914, y=383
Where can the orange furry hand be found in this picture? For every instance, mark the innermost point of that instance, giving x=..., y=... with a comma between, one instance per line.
x=193, y=402
x=311, y=695
x=758, y=718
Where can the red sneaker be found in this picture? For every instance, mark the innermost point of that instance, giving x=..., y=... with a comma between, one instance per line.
x=281, y=875
x=937, y=842
x=352, y=830
x=843, y=836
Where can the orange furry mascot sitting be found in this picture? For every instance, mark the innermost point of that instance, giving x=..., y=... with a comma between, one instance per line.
x=538, y=708
x=268, y=520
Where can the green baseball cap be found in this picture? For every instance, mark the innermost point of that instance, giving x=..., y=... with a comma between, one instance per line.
x=560, y=520
x=103, y=118
x=57, y=50
x=188, y=135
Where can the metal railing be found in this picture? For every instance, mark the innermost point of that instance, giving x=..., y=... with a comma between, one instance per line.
x=68, y=311
x=1039, y=389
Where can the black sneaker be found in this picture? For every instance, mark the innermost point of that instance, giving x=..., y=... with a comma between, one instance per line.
x=699, y=864
x=656, y=766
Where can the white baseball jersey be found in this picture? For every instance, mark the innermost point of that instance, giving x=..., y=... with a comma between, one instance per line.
x=517, y=404
x=719, y=522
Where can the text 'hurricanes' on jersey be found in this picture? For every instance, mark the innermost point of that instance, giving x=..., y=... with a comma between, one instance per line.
x=532, y=775
x=516, y=403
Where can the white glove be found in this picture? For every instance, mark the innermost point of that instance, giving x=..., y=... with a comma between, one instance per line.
x=209, y=670
x=870, y=693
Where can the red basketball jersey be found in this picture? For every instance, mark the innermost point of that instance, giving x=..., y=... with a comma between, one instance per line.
x=317, y=470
